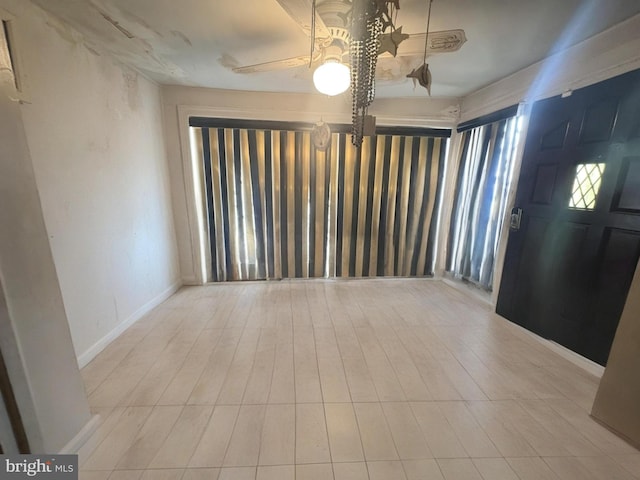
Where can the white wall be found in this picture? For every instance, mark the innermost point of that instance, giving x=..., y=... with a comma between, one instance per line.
x=34, y=333
x=182, y=102
x=94, y=130
x=612, y=52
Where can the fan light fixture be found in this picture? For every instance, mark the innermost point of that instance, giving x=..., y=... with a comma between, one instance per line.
x=332, y=77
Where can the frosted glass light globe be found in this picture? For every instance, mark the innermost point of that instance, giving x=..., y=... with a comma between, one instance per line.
x=332, y=78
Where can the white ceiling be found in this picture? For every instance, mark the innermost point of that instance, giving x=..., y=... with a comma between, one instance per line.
x=197, y=42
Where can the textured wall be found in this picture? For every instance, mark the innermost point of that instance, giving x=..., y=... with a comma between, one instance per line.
x=34, y=334
x=94, y=130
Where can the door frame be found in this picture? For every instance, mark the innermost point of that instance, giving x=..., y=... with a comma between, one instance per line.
x=13, y=402
x=13, y=437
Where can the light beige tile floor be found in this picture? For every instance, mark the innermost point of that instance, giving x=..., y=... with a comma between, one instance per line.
x=341, y=380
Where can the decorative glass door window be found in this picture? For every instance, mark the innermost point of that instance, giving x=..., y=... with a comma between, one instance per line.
x=586, y=186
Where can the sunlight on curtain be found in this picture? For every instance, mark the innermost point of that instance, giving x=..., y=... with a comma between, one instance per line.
x=484, y=177
x=279, y=208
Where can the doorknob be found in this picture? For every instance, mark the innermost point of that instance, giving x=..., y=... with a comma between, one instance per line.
x=516, y=217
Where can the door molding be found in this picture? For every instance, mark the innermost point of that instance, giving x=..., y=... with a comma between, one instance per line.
x=10, y=413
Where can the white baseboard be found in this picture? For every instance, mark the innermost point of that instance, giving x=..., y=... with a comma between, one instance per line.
x=590, y=366
x=468, y=289
x=82, y=436
x=578, y=360
x=96, y=348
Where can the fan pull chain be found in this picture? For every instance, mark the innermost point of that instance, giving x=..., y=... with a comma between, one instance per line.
x=395, y=17
x=426, y=35
x=313, y=31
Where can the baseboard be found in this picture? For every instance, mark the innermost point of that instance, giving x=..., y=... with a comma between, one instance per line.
x=468, y=288
x=590, y=366
x=578, y=360
x=634, y=443
x=101, y=344
x=82, y=436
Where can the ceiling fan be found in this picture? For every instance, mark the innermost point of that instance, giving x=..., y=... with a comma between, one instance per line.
x=329, y=26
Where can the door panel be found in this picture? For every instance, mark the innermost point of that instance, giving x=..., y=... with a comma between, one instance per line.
x=598, y=120
x=545, y=183
x=568, y=268
x=627, y=197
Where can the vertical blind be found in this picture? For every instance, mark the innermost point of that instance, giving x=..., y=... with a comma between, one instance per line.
x=280, y=208
x=484, y=178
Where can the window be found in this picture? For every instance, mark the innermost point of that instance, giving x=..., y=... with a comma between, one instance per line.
x=279, y=208
x=586, y=186
x=484, y=178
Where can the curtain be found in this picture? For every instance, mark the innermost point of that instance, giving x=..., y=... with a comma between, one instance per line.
x=484, y=176
x=277, y=207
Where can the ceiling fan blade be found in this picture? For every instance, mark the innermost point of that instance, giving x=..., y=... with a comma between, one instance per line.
x=438, y=42
x=275, y=65
x=300, y=12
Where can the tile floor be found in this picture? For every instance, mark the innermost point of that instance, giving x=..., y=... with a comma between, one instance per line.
x=395, y=379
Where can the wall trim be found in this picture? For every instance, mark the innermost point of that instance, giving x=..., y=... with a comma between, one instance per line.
x=96, y=348
x=82, y=436
x=527, y=76
x=485, y=297
x=468, y=289
x=588, y=365
x=616, y=53
x=194, y=217
x=578, y=360
x=624, y=437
